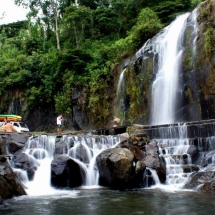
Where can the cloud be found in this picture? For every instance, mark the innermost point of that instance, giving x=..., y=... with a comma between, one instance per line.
x=9, y=12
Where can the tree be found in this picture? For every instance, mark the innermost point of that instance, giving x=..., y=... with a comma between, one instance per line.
x=76, y=25
x=50, y=12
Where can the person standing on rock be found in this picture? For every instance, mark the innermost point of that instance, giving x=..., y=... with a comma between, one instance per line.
x=59, y=123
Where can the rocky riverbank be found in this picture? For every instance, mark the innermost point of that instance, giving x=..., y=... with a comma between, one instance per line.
x=126, y=165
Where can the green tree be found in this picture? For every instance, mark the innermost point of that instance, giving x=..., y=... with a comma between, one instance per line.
x=76, y=25
x=50, y=11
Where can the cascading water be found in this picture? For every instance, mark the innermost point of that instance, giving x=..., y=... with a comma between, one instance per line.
x=174, y=151
x=41, y=149
x=91, y=147
x=169, y=48
x=41, y=153
x=120, y=97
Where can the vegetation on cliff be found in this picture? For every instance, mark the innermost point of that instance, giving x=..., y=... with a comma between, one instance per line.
x=69, y=48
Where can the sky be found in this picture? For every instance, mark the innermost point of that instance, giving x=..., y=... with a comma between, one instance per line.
x=12, y=12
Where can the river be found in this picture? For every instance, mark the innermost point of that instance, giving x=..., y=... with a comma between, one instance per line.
x=103, y=201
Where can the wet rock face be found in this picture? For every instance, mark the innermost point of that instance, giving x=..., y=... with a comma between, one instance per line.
x=66, y=172
x=23, y=161
x=9, y=183
x=115, y=167
x=124, y=166
x=3, y=150
x=202, y=181
x=199, y=70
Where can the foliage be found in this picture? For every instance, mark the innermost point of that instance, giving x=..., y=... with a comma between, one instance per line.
x=69, y=46
x=195, y=3
x=168, y=10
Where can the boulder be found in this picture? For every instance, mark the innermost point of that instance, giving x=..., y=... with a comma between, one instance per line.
x=135, y=149
x=26, y=162
x=18, y=137
x=81, y=153
x=153, y=161
x=61, y=148
x=116, y=169
x=9, y=183
x=14, y=146
x=204, y=181
x=66, y=172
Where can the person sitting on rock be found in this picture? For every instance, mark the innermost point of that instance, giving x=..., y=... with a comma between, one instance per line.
x=115, y=122
x=9, y=127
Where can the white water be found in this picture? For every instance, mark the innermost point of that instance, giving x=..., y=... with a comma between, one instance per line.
x=154, y=175
x=119, y=109
x=90, y=148
x=173, y=151
x=120, y=85
x=41, y=150
x=41, y=147
x=169, y=46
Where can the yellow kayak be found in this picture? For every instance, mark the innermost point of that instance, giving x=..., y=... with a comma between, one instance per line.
x=10, y=117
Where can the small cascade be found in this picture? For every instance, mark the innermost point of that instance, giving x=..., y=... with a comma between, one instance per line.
x=41, y=150
x=174, y=151
x=93, y=176
x=120, y=97
x=85, y=151
x=150, y=177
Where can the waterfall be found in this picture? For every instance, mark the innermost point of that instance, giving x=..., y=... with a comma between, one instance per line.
x=85, y=151
x=41, y=148
x=174, y=149
x=169, y=47
x=173, y=140
x=153, y=175
x=120, y=97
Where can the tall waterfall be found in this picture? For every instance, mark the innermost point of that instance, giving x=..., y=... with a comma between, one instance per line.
x=169, y=48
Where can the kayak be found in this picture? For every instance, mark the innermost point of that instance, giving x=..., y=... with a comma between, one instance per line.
x=10, y=117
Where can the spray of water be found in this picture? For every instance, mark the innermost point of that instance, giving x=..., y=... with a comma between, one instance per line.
x=169, y=46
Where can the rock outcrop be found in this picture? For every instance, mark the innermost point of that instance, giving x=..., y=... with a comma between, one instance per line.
x=9, y=183
x=66, y=172
x=116, y=168
x=124, y=166
x=202, y=181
